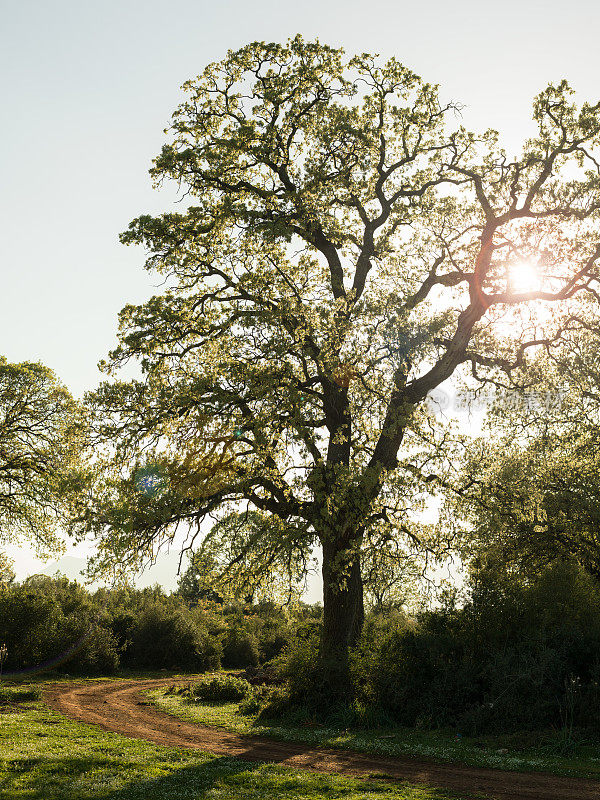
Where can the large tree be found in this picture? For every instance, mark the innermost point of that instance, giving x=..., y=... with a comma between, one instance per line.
x=345, y=245
x=41, y=429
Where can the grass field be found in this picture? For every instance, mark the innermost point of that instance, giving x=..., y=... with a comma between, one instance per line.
x=44, y=756
x=531, y=751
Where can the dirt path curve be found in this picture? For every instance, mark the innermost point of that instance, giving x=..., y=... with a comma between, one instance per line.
x=119, y=706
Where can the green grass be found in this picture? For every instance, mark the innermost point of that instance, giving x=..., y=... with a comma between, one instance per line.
x=121, y=674
x=18, y=694
x=44, y=756
x=528, y=752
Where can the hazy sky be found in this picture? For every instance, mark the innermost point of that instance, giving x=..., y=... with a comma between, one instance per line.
x=87, y=89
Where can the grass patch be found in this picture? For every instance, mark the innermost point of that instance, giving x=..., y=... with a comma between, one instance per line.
x=50, y=676
x=527, y=752
x=18, y=694
x=44, y=756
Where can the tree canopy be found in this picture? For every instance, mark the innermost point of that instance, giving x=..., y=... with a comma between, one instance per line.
x=528, y=492
x=346, y=246
x=7, y=574
x=40, y=440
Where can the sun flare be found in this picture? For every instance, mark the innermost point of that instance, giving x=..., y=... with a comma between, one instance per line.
x=524, y=276
x=528, y=314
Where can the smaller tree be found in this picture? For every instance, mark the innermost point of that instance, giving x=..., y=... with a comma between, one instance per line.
x=41, y=430
x=197, y=583
x=529, y=507
x=527, y=493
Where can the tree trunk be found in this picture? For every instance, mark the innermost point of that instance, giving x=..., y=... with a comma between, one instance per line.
x=343, y=615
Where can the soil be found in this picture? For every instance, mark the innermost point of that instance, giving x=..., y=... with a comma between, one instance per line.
x=120, y=706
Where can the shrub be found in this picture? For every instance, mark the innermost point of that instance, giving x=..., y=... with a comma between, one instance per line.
x=250, y=706
x=272, y=641
x=297, y=664
x=240, y=648
x=518, y=656
x=28, y=623
x=308, y=688
x=170, y=639
x=267, y=675
x=54, y=621
x=221, y=689
x=260, y=698
x=421, y=676
x=122, y=626
x=17, y=694
x=95, y=648
x=278, y=703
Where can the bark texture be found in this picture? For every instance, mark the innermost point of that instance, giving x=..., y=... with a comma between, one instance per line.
x=343, y=615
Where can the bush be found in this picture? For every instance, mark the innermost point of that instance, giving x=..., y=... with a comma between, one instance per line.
x=53, y=622
x=267, y=675
x=240, y=648
x=422, y=677
x=255, y=634
x=516, y=657
x=297, y=665
x=56, y=622
x=261, y=698
x=277, y=703
x=164, y=638
x=122, y=626
x=250, y=706
x=17, y=694
x=221, y=689
x=307, y=683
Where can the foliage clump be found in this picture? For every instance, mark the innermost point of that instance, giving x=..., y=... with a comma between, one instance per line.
x=164, y=638
x=18, y=694
x=517, y=656
x=49, y=623
x=224, y=688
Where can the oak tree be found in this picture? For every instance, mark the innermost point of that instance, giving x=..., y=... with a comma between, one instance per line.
x=343, y=248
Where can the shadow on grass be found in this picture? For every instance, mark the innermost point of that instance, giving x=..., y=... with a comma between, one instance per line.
x=232, y=778
x=94, y=778
x=91, y=778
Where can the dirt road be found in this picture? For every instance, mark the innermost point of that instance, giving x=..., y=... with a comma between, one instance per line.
x=120, y=707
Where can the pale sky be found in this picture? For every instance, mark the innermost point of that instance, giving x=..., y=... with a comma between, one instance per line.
x=87, y=89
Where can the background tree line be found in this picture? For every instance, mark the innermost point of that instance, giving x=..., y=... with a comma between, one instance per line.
x=53, y=623
x=519, y=654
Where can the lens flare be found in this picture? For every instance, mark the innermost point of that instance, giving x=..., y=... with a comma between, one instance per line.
x=524, y=276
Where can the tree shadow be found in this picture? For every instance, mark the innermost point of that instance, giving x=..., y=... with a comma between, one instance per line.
x=191, y=775
x=65, y=778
